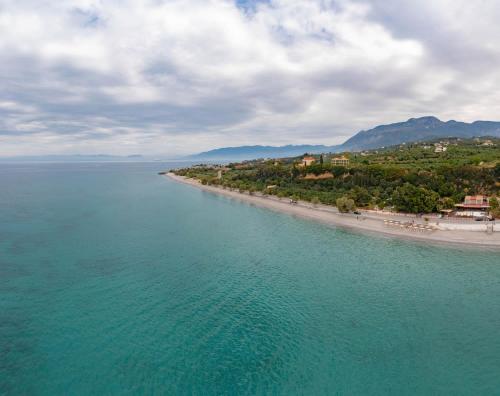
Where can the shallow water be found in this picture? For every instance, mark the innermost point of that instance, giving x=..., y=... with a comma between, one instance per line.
x=114, y=280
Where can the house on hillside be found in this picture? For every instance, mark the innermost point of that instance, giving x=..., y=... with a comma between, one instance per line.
x=307, y=161
x=488, y=143
x=340, y=161
x=440, y=148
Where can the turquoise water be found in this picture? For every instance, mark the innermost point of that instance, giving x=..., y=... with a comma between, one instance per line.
x=114, y=280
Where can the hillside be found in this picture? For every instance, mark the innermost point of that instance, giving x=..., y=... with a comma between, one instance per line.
x=419, y=129
x=413, y=130
x=416, y=178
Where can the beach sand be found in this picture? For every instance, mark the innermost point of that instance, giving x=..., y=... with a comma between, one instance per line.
x=366, y=224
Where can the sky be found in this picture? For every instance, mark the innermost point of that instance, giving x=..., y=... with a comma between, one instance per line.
x=172, y=77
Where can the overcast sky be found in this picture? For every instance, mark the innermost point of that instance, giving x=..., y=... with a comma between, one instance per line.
x=179, y=76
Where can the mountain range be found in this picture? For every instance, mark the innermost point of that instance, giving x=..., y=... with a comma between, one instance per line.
x=419, y=129
x=252, y=152
x=413, y=130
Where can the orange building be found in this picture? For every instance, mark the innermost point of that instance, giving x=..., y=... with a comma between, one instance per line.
x=307, y=161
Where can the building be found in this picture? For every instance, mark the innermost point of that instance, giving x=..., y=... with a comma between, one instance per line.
x=340, y=161
x=307, y=161
x=439, y=148
x=473, y=205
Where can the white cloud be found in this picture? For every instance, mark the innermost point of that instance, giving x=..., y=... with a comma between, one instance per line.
x=186, y=75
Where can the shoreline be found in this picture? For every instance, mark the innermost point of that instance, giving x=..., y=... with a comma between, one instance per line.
x=362, y=223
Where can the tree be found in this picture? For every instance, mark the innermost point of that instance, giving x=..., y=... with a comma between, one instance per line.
x=495, y=207
x=447, y=203
x=345, y=205
x=338, y=171
x=321, y=159
x=412, y=199
x=360, y=195
x=447, y=189
x=496, y=171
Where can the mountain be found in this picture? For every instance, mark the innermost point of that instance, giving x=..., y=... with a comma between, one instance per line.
x=418, y=129
x=413, y=130
x=252, y=152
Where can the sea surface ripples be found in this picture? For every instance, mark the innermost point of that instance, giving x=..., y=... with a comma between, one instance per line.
x=114, y=280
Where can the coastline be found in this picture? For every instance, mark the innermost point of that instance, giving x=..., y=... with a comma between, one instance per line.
x=367, y=225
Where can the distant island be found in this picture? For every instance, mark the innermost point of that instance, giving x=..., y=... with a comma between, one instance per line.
x=413, y=130
x=75, y=158
x=446, y=184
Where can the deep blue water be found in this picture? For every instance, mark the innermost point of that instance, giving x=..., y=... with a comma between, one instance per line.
x=114, y=280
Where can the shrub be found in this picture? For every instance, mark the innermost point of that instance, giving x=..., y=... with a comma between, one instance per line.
x=412, y=199
x=345, y=205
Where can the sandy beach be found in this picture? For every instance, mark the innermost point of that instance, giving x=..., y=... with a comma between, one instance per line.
x=364, y=222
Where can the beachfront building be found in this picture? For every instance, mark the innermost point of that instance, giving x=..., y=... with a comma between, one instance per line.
x=473, y=206
x=307, y=161
x=340, y=161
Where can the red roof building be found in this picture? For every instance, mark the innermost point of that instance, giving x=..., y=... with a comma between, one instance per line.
x=478, y=202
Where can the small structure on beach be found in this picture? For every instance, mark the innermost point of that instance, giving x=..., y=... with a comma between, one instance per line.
x=307, y=161
x=340, y=161
x=473, y=205
x=446, y=212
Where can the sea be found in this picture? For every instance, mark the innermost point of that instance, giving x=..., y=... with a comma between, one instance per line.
x=115, y=280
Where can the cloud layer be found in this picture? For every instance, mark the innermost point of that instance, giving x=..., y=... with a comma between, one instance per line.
x=179, y=76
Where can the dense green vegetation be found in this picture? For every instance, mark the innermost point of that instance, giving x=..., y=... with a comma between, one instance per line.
x=410, y=178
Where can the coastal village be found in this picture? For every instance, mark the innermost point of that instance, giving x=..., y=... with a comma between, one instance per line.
x=445, y=184
x=476, y=207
